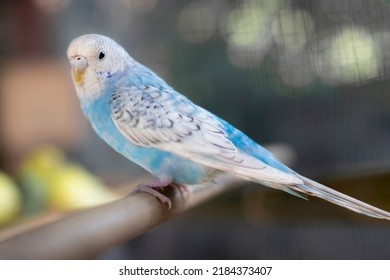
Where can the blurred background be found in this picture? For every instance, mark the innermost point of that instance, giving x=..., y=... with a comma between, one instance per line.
x=309, y=79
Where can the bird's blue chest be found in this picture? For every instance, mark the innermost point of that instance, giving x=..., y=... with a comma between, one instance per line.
x=158, y=162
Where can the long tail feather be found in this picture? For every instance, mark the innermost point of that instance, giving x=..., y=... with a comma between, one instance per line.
x=316, y=189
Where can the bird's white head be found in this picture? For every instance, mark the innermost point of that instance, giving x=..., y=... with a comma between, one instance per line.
x=94, y=59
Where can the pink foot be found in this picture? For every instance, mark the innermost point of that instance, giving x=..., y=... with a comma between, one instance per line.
x=158, y=187
x=155, y=191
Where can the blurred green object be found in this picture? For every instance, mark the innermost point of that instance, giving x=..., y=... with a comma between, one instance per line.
x=48, y=180
x=10, y=200
x=36, y=176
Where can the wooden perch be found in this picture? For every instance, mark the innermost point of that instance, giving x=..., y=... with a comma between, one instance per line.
x=87, y=233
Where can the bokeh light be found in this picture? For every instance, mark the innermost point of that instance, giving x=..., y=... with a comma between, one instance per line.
x=292, y=29
x=196, y=22
x=247, y=32
x=352, y=57
x=246, y=25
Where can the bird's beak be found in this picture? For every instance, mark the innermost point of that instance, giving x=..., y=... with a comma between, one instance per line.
x=78, y=74
x=79, y=67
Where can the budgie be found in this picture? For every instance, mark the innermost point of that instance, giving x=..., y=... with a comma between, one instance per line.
x=143, y=118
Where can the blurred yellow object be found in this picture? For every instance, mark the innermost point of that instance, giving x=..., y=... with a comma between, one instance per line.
x=10, y=200
x=47, y=179
x=74, y=188
x=45, y=159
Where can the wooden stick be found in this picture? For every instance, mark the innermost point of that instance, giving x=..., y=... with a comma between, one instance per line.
x=87, y=233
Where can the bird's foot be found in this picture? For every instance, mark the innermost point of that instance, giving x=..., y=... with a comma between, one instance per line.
x=154, y=190
x=157, y=188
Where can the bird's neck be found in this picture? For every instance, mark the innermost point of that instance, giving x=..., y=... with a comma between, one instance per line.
x=92, y=105
x=97, y=93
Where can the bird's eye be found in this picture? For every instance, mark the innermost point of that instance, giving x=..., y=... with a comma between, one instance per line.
x=101, y=55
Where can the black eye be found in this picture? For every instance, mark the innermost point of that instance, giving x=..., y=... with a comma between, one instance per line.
x=101, y=55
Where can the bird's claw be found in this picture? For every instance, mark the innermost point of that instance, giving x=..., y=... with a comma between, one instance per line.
x=155, y=191
x=159, y=189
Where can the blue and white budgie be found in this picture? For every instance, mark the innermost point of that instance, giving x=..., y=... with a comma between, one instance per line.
x=143, y=118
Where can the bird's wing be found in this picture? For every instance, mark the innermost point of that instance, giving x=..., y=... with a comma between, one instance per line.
x=159, y=117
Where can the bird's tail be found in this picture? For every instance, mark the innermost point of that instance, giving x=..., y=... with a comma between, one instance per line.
x=313, y=188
